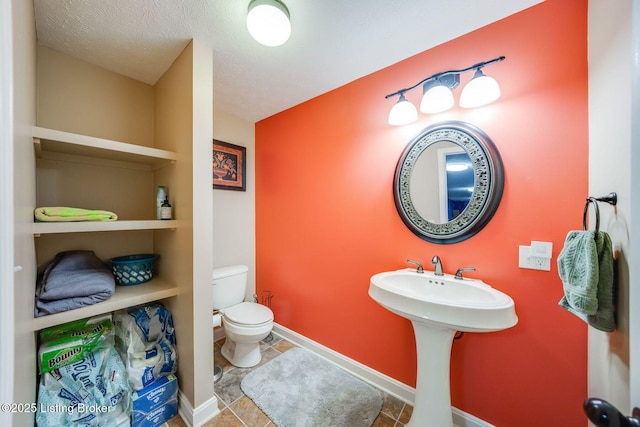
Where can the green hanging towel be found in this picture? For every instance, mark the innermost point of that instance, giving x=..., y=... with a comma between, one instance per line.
x=585, y=266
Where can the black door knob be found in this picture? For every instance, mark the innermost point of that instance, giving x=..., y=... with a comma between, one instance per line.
x=604, y=414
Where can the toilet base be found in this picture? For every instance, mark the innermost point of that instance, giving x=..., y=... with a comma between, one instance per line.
x=242, y=355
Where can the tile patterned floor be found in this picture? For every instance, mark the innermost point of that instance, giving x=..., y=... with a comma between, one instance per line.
x=237, y=410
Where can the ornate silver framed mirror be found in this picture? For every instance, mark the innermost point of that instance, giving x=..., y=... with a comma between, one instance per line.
x=448, y=182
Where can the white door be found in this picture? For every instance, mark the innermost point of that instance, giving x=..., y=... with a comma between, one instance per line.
x=634, y=286
x=6, y=209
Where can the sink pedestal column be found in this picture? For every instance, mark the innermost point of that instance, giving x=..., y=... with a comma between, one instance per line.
x=433, y=399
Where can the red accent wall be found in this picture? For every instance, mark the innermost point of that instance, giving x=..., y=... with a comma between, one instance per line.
x=326, y=219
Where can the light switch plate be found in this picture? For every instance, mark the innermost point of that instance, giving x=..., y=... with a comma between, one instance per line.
x=541, y=249
x=532, y=262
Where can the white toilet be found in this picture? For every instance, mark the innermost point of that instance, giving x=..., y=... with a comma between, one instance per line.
x=245, y=323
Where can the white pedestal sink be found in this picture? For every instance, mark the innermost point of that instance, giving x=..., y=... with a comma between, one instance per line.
x=438, y=306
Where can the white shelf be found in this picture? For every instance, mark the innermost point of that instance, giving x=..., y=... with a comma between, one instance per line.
x=55, y=141
x=123, y=297
x=94, y=226
x=58, y=145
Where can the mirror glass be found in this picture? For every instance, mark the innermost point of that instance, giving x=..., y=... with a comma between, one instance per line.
x=448, y=182
x=442, y=182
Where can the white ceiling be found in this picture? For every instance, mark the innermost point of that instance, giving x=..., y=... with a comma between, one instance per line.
x=333, y=42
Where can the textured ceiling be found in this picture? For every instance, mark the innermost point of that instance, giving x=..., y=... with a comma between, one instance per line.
x=333, y=42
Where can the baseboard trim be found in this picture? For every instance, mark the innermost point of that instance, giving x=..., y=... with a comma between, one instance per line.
x=196, y=417
x=377, y=379
x=464, y=419
x=366, y=374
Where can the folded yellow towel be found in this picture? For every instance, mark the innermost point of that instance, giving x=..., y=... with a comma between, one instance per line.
x=66, y=214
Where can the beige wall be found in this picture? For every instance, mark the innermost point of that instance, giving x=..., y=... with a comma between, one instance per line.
x=183, y=123
x=116, y=108
x=75, y=96
x=234, y=211
x=610, y=60
x=173, y=126
x=204, y=401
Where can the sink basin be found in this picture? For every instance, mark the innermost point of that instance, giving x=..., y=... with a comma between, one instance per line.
x=467, y=305
x=438, y=306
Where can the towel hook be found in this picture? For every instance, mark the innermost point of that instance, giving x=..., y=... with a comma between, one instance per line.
x=611, y=198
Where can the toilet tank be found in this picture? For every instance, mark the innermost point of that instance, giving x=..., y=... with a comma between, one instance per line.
x=229, y=284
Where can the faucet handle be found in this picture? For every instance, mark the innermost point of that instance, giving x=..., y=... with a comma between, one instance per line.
x=419, y=269
x=461, y=270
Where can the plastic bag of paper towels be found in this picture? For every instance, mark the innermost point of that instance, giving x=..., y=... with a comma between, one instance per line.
x=145, y=338
x=92, y=391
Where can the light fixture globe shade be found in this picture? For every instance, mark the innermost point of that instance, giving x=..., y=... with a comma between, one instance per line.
x=403, y=112
x=268, y=22
x=436, y=100
x=481, y=90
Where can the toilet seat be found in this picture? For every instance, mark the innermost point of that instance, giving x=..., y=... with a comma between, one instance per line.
x=248, y=314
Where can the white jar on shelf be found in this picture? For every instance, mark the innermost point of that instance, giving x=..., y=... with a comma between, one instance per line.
x=160, y=197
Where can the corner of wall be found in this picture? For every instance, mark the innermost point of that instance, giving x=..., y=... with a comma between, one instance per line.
x=234, y=211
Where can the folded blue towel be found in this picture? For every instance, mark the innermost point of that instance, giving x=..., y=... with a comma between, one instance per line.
x=585, y=266
x=72, y=280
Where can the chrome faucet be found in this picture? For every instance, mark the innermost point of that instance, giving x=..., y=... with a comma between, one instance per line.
x=437, y=265
x=419, y=266
x=462, y=270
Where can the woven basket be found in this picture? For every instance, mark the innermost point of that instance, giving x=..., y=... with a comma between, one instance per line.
x=133, y=269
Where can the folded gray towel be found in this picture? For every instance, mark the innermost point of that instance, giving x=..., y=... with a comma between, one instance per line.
x=72, y=280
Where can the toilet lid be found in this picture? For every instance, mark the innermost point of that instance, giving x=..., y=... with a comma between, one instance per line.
x=248, y=313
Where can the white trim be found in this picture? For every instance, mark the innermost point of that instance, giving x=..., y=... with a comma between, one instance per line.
x=7, y=269
x=634, y=256
x=72, y=143
x=377, y=379
x=96, y=226
x=123, y=297
x=463, y=419
x=366, y=374
x=443, y=184
x=198, y=416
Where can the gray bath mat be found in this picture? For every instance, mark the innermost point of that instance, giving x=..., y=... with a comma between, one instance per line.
x=300, y=389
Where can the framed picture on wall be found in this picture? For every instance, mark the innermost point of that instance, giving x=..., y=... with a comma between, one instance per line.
x=229, y=166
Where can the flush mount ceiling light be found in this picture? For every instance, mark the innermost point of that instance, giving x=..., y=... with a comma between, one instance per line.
x=268, y=22
x=438, y=93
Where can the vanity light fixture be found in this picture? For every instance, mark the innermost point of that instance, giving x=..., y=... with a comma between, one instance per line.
x=481, y=90
x=438, y=93
x=403, y=112
x=268, y=22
